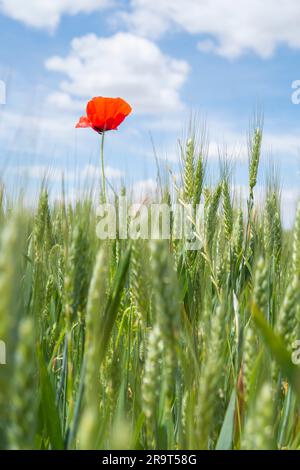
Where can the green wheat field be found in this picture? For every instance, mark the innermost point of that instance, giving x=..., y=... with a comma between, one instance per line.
x=143, y=344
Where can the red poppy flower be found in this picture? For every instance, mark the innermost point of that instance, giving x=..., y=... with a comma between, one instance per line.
x=104, y=114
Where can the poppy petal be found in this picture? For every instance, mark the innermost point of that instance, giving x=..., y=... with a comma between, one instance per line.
x=105, y=114
x=119, y=118
x=123, y=107
x=83, y=122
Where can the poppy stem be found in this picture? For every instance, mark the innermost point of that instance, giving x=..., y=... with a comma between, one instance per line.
x=102, y=168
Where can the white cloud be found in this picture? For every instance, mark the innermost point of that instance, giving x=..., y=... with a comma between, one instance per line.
x=236, y=145
x=143, y=189
x=64, y=101
x=289, y=199
x=34, y=172
x=227, y=27
x=42, y=134
x=55, y=174
x=225, y=136
x=122, y=65
x=93, y=172
x=47, y=13
x=39, y=133
x=236, y=27
x=282, y=143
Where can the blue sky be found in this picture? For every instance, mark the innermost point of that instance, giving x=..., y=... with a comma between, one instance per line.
x=220, y=59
